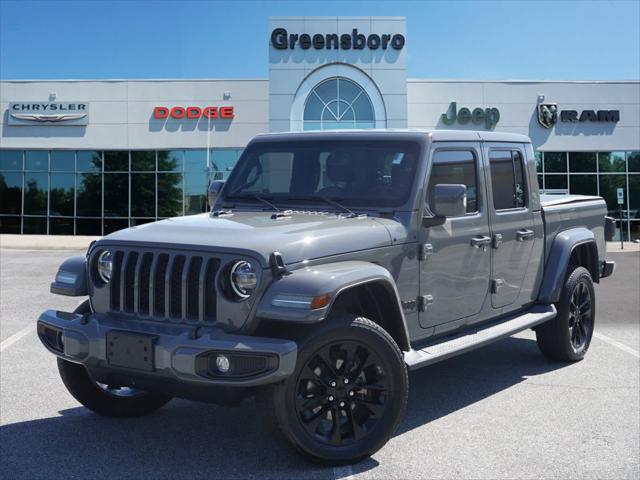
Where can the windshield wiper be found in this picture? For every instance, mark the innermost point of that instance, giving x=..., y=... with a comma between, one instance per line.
x=254, y=196
x=339, y=205
x=324, y=199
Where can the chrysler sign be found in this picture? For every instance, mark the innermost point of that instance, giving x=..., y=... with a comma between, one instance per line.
x=48, y=113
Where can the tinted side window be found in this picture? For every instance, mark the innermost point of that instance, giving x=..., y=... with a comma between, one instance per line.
x=457, y=167
x=507, y=179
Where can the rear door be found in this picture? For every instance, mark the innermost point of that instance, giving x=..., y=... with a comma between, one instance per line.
x=512, y=222
x=455, y=272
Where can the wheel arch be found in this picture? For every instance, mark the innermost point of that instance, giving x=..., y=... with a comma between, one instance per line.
x=357, y=287
x=576, y=246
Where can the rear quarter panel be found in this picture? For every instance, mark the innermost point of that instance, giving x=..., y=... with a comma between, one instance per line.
x=577, y=211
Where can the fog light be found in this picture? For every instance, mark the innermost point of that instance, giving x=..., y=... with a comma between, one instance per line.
x=222, y=363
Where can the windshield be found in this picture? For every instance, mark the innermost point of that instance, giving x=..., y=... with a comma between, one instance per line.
x=364, y=174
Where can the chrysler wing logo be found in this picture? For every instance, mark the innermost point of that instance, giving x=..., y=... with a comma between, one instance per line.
x=40, y=117
x=51, y=113
x=547, y=114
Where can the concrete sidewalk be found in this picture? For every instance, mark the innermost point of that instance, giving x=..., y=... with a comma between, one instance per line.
x=69, y=242
x=45, y=242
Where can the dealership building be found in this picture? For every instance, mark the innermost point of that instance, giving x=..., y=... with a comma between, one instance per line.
x=89, y=157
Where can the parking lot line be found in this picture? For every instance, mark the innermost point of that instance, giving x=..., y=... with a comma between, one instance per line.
x=616, y=344
x=15, y=337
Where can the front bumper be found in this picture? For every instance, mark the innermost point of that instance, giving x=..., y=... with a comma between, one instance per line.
x=181, y=353
x=607, y=267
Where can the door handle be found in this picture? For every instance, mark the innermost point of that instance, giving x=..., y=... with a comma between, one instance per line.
x=480, y=242
x=524, y=234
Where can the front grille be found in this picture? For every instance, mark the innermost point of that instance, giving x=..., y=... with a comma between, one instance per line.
x=173, y=287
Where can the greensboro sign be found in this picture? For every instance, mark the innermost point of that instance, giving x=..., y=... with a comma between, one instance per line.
x=283, y=40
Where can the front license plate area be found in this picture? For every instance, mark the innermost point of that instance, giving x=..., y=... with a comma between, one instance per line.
x=130, y=350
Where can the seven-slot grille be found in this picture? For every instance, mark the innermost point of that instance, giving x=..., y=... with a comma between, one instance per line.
x=175, y=287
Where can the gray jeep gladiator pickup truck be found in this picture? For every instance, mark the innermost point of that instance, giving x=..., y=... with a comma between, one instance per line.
x=330, y=264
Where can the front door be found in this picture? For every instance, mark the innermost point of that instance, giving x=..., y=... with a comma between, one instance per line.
x=512, y=223
x=455, y=272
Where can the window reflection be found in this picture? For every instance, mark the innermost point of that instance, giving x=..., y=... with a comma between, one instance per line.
x=169, y=194
x=582, y=161
x=583, y=184
x=10, y=224
x=170, y=160
x=116, y=195
x=10, y=160
x=34, y=225
x=89, y=161
x=195, y=192
x=89, y=201
x=37, y=160
x=608, y=186
x=63, y=161
x=143, y=161
x=555, y=162
x=195, y=160
x=61, y=226
x=611, y=161
x=633, y=160
x=61, y=194
x=36, y=187
x=116, y=161
x=11, y=192
x=143, y=194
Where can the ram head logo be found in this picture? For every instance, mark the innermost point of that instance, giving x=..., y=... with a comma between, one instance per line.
x=547, y=114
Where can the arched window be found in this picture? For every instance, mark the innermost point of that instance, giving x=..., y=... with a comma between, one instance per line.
x=338, y=103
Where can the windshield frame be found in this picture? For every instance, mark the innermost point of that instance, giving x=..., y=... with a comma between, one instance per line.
x=315, y=201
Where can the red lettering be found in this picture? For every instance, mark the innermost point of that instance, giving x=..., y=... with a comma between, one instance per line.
x=210, y=112
x=160, y=112
x=226, y=112
x=194, y=112
x=178, y=112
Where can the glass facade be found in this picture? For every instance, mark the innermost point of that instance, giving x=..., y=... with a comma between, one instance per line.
x=597, y=173
x=66, y=192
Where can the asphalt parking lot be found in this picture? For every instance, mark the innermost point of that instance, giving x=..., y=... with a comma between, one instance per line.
x=499, y=412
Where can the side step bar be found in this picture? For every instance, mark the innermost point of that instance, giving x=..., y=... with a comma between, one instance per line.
x=466, y=342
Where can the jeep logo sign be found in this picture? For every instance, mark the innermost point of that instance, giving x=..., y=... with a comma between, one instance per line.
x=283, y=40
x=488, y=117
x=48, y=113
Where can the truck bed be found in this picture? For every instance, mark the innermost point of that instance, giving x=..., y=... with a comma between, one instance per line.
x=562, y=212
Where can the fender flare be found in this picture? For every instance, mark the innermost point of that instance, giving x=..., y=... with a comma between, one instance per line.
x=330, y=278
x=560, y=252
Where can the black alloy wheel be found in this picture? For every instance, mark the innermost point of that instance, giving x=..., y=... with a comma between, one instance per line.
x=567, y=337
x=341, y=393
x=580, y=316
x=347, y=394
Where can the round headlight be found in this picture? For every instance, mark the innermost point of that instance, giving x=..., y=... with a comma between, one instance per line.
x=105, y=266
x=243, y=279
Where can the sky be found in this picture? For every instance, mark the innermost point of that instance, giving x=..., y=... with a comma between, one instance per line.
x=537, y=40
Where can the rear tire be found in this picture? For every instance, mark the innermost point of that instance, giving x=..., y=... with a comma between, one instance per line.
x=107, y=400
x=567, y=337
x=347, y=395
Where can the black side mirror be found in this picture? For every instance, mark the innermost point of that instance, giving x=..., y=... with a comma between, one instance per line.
x=449, y=200
x=213, y=191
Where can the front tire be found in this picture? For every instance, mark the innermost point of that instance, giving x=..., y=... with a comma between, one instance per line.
x=107, y=400
x=567, y=337
x=347, y=395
